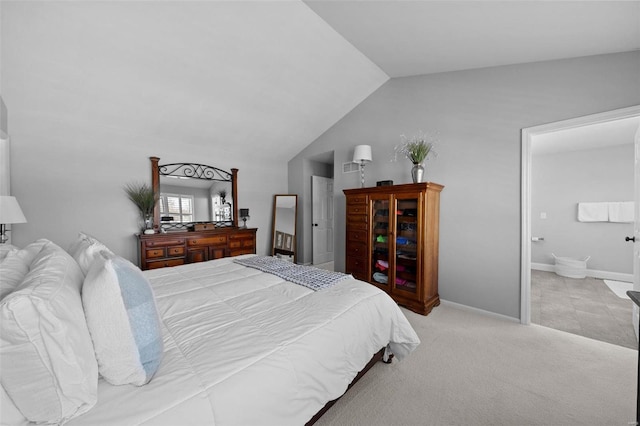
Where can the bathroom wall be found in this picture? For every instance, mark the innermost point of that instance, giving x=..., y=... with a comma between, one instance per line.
x=559, y=182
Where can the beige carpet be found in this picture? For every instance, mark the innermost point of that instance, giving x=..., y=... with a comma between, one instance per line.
x=473, y=369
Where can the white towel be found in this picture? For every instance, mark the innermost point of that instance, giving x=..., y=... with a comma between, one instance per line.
x=593, y=212
x=621, y=211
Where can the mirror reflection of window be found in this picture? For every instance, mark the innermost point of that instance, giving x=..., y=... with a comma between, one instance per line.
x=178, y=207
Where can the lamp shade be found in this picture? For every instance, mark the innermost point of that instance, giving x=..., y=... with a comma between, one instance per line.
x=244, y=212
x=10, y=211
x=362, y=153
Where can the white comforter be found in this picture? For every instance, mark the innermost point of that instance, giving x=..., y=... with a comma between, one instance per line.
x=243, y=347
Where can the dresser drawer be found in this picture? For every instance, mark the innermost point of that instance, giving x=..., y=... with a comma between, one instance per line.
x=358, y=226
x=245, y=250
x=356, y=265
x=155, y=253
x=356, y=235
x=164, y=263
x=244, y=242
x=356, y=249
x=359, y=209
x=357, y=199
x=174, y=251
x=208, y=241
x=164, y=243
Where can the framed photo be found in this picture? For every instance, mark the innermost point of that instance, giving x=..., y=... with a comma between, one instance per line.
x=288, y=240
x=279, y=240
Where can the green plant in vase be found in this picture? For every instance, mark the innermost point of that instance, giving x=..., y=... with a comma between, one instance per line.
x=417, y=149
x=145, y=199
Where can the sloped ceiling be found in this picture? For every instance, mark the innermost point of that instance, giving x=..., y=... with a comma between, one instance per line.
x=265, y=78
x=407, y=38
x=262, y=78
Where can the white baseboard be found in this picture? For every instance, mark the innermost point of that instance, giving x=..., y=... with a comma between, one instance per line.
x=603, y=275
x=478, y=311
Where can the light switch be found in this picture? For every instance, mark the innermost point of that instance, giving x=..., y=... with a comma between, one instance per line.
x=543, y=215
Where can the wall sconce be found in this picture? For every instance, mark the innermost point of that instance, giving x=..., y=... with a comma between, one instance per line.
x=362, y=155
x=244, y=215
x=10, y=212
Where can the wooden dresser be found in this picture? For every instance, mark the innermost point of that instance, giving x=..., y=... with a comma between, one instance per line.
x=178, y=248
x=392, y=241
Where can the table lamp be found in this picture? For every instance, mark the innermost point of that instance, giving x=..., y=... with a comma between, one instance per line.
x=362, y=155
x=10, y=212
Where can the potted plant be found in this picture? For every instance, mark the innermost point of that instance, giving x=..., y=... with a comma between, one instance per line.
x=145, y=199
x=417, y=149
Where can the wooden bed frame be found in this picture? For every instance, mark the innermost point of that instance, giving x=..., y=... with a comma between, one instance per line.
x=378, y=356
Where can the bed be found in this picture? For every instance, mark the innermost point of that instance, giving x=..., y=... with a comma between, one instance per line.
x=240, y=346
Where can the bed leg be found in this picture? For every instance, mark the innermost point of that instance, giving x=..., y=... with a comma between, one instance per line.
x=387, y=356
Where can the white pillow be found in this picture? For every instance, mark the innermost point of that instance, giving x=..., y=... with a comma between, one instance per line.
x=13, y=269
x=5, y=249
x=123, y=321
x=48, y=364
x=15, y=265
x=85, y=250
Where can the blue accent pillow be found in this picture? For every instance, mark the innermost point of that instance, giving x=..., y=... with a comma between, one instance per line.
x=123, y=321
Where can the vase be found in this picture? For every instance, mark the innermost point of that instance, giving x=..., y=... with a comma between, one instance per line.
x=146, y=224
x=417, y=173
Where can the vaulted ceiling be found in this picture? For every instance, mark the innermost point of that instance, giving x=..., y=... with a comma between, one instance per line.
x=423, y=37
x=266, y=78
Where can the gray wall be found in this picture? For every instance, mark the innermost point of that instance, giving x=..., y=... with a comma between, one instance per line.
x=478, y=115
x=88, y=112
x=560, y=181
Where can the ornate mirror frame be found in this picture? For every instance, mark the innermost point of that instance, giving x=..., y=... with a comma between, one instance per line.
x=195, y=171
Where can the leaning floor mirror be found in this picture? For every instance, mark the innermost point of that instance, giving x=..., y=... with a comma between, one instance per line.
x=283, y=242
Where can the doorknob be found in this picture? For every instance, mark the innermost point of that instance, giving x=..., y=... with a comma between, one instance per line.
x=315, y=224
x=630, y=239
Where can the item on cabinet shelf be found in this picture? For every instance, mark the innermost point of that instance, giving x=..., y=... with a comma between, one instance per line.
x=384, y=183
x=416, y=149
x=380, y=277
x=401, y=257
x=362, y=155
x=145, y=199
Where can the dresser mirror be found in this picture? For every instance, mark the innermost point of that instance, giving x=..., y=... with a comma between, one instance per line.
x=283, y=242
x=192, y=195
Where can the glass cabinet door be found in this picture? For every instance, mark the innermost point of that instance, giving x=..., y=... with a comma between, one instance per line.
x=406, y=251
x=381, y=224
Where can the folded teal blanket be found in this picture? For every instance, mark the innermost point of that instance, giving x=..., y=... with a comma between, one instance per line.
x=307, y=276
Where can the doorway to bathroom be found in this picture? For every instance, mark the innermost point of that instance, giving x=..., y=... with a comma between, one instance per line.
x=581, y=160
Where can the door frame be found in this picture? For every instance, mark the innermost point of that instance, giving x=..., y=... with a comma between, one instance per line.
x=527, y=136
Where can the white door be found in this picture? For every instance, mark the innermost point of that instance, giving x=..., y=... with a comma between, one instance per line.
x=322, y=219
x=636, y=231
